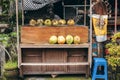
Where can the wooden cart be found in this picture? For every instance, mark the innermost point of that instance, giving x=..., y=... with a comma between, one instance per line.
x=37, y=56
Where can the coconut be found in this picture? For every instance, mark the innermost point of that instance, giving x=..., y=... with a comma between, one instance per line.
x=53, y=40
x=69, y=39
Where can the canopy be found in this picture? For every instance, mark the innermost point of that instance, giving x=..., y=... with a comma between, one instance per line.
x=36, y=4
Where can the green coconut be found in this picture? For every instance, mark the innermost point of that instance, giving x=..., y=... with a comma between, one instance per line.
x=53, y=40
x=69, y=39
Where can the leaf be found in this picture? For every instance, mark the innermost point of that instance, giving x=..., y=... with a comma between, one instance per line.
x=13, y=34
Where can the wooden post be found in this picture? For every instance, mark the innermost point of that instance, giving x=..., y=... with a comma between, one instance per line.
x=115, y=16
x=99, y=54
x=0, y=7
x=0, y=10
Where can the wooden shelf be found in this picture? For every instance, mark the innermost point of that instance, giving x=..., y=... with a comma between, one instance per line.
x=55, y=64
x=111, y=21
x=37, y=55
x=84, y=45
x=41, y=35
x=112, y=24
x=55, y=72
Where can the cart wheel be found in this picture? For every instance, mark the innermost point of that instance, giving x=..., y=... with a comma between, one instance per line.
x=53, y=75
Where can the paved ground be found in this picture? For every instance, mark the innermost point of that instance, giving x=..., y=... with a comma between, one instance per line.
x=49, y=77
x=35, y=78
x=59, y=77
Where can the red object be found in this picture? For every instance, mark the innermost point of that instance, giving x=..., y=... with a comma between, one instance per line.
x=106, y=51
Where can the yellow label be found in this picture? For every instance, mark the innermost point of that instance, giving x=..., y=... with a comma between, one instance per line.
x=100, y=26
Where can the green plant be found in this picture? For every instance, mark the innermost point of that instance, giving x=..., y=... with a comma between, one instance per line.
x=6, y=4
x=115, y=36
x=113, y=47
x=8, y=44
x=10, y=65
x=11, y=70
x=8, y=15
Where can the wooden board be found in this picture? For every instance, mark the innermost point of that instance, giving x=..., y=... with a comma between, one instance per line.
x=55, y=56
x=41, y=35
x=34, y=56
x=77, y=55
x=54, y=61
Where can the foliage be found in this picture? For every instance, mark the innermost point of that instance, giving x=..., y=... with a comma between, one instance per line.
x=113, y=47
x=8, y=15
x=8, y=42
x=116, y=35
x=5, y=6
x=10, y=65
x=8, y=38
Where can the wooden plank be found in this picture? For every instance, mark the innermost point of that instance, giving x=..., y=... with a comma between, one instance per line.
x=55, y=64
x=4, y=25
x=41, y=35
x=53, y=56
x=31, y=55
x=78, y=52
x=76, y=59
x=84, y=45
x=53, y=72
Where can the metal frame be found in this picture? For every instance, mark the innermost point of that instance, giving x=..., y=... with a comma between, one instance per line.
x=85, y=5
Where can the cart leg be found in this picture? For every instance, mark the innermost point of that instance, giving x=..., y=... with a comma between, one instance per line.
x=87, y=71
x=53, y=75
x=21, y=73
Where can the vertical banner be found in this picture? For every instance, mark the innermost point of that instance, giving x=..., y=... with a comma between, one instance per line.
x=100, y=26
